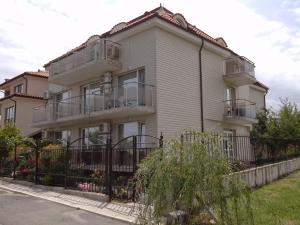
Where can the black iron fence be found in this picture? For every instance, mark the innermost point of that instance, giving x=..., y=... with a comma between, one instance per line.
x=110, y=168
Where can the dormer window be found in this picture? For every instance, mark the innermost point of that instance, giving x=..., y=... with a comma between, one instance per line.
x=19, y=88
x=180, y=20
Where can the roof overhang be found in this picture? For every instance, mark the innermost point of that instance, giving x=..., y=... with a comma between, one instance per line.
x=159, y=22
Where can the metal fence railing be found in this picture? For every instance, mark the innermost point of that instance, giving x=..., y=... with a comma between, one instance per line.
x=128, y=95
x=110, y=168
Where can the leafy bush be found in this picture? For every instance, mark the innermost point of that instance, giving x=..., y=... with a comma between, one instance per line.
x=194, y=178
x=48, y=180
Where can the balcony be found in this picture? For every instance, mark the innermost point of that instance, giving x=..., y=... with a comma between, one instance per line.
x=240, y=111
x=239, y=71
x=94, y=59
x=131, y=99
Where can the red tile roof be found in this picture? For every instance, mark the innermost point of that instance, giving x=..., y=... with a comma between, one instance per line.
x=161, y=13
x=39, y=73
x=259, y=84
x=21, y=95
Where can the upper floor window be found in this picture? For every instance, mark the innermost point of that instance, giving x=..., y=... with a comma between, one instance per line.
x=131, y=90
x=9, y=115
x=229, y=95
x=19, y=88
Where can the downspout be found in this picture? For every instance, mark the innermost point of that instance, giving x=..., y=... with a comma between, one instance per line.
x=201, y=86
x=26, y=83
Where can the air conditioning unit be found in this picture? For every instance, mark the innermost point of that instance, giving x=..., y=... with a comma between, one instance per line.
x=46, y=95
x=113, y=52
x=104, y=128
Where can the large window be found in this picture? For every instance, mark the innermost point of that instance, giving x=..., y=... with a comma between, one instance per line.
x=131, y=89
x=60, y=137
x=92, y=97
x=63, y=106
x=9, y=115
x=132, y=128
x=94, y=135
x=19, y=88
x=229, y=142
x=229, y=95
x=124, y=155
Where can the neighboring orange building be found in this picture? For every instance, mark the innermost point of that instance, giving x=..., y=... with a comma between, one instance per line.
x=21, y=94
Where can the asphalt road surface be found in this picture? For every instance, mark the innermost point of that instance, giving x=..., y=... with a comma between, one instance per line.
x=20, y=209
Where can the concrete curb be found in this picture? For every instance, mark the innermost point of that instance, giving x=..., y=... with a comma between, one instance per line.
x=89, y=195
x=117, y=211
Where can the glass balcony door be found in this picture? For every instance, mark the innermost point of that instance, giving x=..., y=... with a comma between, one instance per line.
x=131, y=88
x=92, y=97
x=62, y=104
x=230, y=101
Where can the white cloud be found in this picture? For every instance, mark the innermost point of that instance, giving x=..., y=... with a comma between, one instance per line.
x=38, y=31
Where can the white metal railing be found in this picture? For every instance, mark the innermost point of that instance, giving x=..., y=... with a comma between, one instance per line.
x=128, y=95
x=97, y=50
x=240, y=108
x=239, y=65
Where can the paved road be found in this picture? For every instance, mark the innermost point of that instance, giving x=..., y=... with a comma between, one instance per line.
x=20, y=209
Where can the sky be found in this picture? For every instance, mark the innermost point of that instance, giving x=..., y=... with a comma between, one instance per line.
x=32, y=32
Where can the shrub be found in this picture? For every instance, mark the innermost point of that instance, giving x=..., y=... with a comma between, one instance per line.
x=194, y=178
x=48, y=180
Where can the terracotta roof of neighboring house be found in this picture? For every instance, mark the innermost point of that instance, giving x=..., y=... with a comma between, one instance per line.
x=39, y=73
x=22, y=96
x=259, y=84
x=161, y=13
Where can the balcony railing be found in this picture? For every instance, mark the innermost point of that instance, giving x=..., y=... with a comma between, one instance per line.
x=239, y=65
x=94, y=51
x=240, y=109
x=128, y=95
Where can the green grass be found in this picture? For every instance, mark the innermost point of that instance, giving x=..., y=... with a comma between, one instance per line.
x=279, y=202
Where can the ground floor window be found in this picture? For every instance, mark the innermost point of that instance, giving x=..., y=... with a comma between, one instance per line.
x=59, y=137
x=229, y=142
x=124, y=154
x=132, y=128
x=94, y=135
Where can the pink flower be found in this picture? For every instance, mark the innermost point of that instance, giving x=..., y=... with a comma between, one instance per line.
x=85, y=186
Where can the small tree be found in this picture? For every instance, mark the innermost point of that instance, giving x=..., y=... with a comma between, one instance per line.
x=192, y=177
x=278, y=129
x=10, y=136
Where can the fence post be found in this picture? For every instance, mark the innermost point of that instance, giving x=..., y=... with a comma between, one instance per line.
x=134, y=147
x=161, y=140
x=66, y=164
x=15, y=161
x=134, y=168
x=36, y=165
x=108, y=168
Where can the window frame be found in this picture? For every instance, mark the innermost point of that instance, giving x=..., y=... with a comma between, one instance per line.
x=9, y=114
x=19, y=89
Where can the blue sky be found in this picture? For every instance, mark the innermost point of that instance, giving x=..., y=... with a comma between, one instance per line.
x=32, y=32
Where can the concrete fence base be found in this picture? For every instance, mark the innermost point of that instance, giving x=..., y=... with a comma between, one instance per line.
x=262, y=175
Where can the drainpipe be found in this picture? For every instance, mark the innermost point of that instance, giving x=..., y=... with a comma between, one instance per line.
x=201, y=86
x=26, y=83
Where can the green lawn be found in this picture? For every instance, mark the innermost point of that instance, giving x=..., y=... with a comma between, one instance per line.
x=279, y=202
